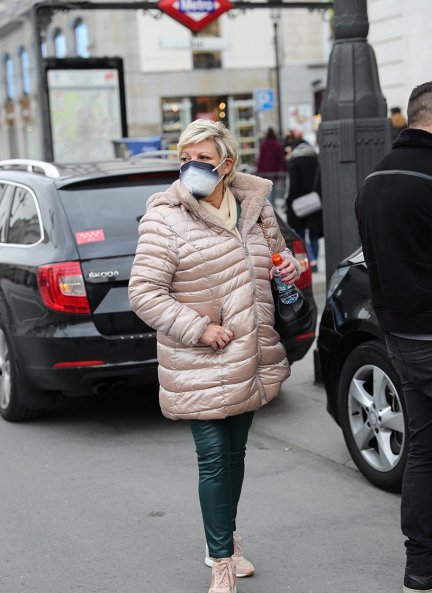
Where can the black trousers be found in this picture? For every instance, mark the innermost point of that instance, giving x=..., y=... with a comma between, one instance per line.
x=221, y=450
x=413, y=361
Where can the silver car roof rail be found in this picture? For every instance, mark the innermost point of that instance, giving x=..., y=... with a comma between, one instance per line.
x=48, y=169
x=148, y=154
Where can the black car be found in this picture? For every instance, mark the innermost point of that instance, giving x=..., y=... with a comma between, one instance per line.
x=67, y=241
x=364, y=393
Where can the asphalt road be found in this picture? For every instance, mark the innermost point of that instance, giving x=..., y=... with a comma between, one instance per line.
x=100, y=497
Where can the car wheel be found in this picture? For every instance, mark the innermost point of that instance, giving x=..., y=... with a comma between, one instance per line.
x=373, y=416
x=12, y=389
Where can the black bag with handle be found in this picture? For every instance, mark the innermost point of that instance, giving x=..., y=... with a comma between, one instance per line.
x=294, y=319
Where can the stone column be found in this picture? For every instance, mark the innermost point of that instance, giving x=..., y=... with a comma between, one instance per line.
x=355, y=131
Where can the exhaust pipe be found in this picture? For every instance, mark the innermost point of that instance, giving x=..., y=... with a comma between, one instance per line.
x=118, y=386
x=104, y=387
x=101, y=388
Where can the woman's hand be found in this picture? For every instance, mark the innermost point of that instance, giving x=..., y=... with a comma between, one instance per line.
x=287, y=270
x=216, y=336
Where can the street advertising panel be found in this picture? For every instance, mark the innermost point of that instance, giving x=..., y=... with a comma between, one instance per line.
x=87, y=107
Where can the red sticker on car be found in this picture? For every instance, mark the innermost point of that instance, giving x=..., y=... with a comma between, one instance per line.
x=90, y=236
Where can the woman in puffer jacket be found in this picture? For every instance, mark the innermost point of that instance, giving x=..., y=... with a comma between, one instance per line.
x=201, y=278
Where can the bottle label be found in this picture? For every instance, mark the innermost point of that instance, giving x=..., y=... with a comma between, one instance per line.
x=288, y=293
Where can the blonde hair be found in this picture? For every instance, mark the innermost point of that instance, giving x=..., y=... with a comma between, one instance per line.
x=225, y=142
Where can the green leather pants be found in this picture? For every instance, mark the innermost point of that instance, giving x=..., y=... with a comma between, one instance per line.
x=221, y=449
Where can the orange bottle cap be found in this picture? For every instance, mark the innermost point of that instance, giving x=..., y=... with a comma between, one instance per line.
x=277, y=259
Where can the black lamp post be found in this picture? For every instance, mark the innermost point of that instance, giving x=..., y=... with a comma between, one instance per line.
x=355, y=131
x=275, y=15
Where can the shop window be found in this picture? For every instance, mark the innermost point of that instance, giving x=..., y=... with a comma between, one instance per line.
x=24, y=68
x=59, y=43
x=176, y=116
x=80, y=38
x=244, y=123
x=210, y=107
x=203, y=58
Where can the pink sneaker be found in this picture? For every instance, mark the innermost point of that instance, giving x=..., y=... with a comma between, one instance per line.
x=243, y=567
x=223, y=577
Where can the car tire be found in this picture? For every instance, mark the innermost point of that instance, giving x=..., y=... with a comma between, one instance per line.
x=373, y=416
x=13, y=391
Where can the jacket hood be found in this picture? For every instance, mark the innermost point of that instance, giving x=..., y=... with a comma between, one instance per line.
x=303, y=149
x=250, y=190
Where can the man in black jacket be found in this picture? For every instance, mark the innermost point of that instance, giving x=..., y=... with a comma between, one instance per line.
x=394, y=213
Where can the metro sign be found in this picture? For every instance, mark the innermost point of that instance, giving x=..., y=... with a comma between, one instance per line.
x=195, y=14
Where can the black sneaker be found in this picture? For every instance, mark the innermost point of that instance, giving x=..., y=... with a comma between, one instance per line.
x=417, y=584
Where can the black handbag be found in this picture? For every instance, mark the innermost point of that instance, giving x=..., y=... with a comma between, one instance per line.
x=290, y=320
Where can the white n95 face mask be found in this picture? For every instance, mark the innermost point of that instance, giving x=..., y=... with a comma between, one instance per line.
x=200, y=178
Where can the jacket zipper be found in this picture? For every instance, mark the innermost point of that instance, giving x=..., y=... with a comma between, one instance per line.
x=252, y=273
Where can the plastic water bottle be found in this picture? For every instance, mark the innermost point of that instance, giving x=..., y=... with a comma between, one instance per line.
x=288, y=293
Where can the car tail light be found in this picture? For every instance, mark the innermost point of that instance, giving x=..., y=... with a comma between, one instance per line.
x=78, y=363
x=306, y=336
x=62, y=287
x=300, y=253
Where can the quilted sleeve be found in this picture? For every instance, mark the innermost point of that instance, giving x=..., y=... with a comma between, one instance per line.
x=152, y=272
x=276, y=237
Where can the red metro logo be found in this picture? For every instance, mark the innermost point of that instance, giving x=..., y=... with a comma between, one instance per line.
x=195, y=14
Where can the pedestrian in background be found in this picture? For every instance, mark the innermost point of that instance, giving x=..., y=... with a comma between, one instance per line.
x=398, y=121
x=271, y=162
x=394, y=212
x=201, y=279
x=289, y=141
x=305, y=177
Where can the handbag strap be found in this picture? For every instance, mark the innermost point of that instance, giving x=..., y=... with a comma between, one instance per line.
x=267, y=238
x=265, y=233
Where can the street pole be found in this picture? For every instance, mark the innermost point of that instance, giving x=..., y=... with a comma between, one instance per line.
x=275, y=16
x=46, y=129
x=355, y=131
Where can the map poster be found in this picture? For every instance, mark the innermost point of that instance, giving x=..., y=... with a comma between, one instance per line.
x=85, y=110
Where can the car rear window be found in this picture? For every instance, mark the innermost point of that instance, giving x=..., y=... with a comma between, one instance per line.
x=104, y=215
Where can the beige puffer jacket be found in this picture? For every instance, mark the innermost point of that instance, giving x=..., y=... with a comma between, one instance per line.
x=190, y=270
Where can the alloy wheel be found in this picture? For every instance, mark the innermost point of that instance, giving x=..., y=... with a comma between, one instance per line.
x=376, y=417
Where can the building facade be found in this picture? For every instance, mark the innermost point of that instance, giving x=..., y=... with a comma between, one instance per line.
x=400, y=33
x=172, y=75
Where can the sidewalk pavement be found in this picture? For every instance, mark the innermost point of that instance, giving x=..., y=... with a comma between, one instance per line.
x=319, y=278
x=319, y=282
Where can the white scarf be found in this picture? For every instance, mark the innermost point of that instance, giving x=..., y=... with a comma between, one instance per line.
x=227, y=212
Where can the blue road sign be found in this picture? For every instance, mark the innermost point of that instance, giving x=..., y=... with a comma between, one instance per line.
x=264, y=99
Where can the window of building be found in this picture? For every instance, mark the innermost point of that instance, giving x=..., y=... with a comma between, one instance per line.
x=212, y=107
x=59, y=42
x=80, y=38
x=24, y=227
x=25, y=73
x=44, y=49
x=203, y=57
x=9, y=77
